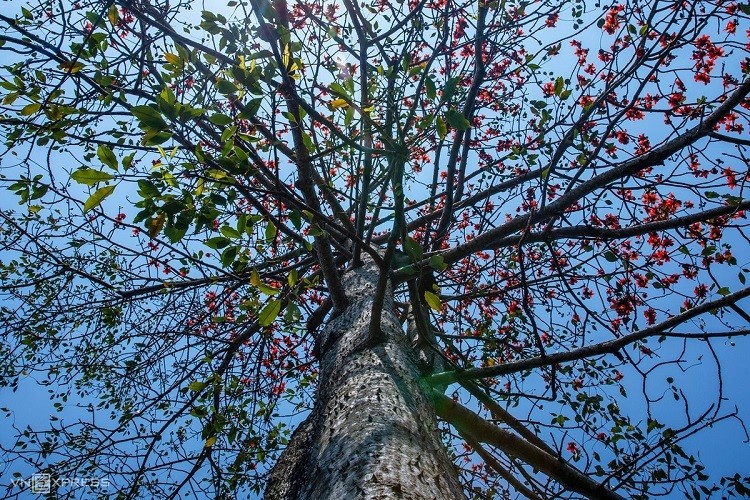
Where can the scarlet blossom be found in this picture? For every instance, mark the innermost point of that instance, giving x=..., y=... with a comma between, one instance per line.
x=634, y=114
x=705, y=57
x=585, y=100
x=573, y=449
x=644, y=145
x=650, y=315
x=548, y=89
x=580, y=52
x=612, y=19
x=731, y=177
x=552, y=20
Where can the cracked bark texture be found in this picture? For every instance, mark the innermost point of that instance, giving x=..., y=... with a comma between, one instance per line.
x=372, y=433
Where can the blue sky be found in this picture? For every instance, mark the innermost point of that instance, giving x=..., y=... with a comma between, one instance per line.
x=721, y=448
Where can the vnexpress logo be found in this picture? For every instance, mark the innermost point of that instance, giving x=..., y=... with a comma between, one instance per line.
x=41, y=483
x=44, y=482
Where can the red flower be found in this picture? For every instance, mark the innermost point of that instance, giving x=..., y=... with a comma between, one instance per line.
x=612, y=19
x=585, y=100
x=548, y=89
x=573, y=449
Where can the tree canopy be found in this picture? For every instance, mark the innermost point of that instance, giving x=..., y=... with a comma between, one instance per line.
x=555, y=191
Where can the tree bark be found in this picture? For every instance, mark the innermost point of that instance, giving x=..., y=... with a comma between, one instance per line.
x=372, y=432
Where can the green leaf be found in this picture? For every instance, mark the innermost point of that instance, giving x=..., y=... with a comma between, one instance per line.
x=155, y=137
x=339, y=89
x=292, y=313
x=228, y=256
x=437, y=262
x=196, y=386
x=413, y=249
x=611, y=257
x=107, y=156
x=217, y=242
x=429, y=86
x=89, y=176
x=442, y=129
x=296, y=219
x=559, y=85
x=220, y=119
x=457, y=120
x=175, y=232
x=148, y=189
x=293, y=277
x=450, y=88
x=267, y=289
x=269, y=312
x=230, y=232
x=128, y=161
x=270, y=231
x=148, y=117
x=433, y=300
x=226, y=87
x=96, y=198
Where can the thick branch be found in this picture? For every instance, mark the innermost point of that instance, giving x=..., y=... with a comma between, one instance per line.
x=590, y=232
x=472, y=425
x=490, y=239
x=610, y=346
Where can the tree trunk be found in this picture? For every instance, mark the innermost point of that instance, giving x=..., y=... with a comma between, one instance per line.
x=372, y=432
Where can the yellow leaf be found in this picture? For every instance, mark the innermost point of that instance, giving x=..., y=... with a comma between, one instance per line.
x=339, y=103
x=157, y=225
x=173, y=59
x=96, y=198
x=210, y=441
x=433, y=301
x=286, y=56
x=30, y=109
x=71, y=67
x=113, y=15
